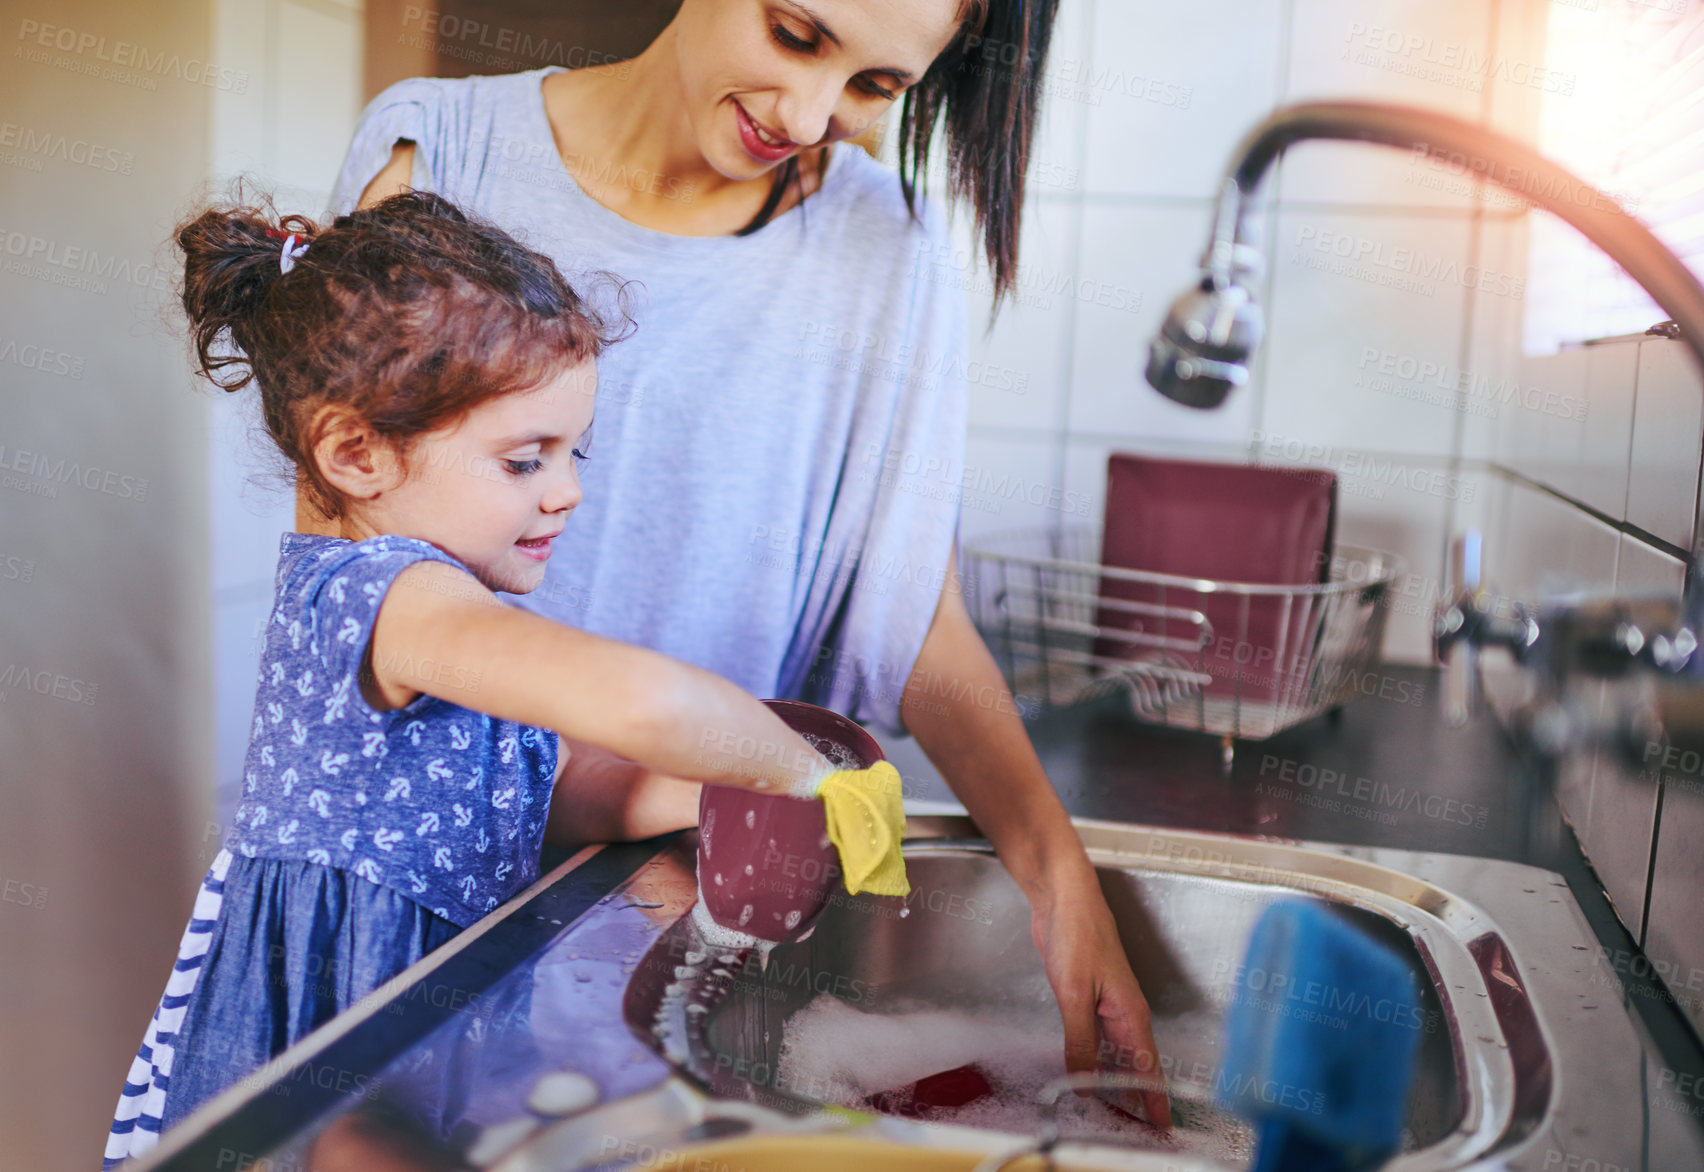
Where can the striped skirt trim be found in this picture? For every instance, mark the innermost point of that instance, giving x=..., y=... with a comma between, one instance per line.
x=141, y=1106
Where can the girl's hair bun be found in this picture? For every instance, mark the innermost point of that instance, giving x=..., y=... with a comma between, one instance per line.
x=231, y=264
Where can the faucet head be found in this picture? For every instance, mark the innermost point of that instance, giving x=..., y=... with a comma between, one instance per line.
x=1203, y=348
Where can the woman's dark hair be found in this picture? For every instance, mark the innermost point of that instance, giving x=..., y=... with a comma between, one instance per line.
x=986, y=87
x=409, y=313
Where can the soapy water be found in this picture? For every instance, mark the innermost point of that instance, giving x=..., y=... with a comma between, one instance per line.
x=839, y=1055
x=838, y=754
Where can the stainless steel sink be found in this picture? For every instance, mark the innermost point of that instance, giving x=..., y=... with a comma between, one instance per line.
x=965, y=944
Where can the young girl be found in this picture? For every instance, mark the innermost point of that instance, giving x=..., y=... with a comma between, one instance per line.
x=432, y=380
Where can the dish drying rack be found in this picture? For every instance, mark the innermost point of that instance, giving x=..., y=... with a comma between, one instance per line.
x=1035, y=595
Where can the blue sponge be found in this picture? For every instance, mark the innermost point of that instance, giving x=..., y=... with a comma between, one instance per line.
x=1320, y=1042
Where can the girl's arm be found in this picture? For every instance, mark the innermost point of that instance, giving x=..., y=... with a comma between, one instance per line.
x=602, y=797
x=668, y=716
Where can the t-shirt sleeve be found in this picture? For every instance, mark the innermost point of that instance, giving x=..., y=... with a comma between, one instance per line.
x=430, y=112
x=340, y=607
x=872, y=644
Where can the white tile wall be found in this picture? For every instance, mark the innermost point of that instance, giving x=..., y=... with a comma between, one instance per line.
x=1168, y=89
x=1359, y=342
x=1668, y=418
x=1408, y=51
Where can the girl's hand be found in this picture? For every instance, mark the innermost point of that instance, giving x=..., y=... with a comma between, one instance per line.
x=1108, y=1025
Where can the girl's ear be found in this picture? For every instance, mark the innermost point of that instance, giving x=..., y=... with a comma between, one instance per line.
x=355, y=459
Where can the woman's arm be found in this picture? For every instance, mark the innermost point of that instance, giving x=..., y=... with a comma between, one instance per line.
x=603, y=797
x=985, y=755
x=668, y=716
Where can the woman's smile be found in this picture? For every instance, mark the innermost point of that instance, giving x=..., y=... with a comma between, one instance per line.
x=761, y=143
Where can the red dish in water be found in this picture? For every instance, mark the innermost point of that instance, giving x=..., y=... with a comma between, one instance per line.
x=949, y=1088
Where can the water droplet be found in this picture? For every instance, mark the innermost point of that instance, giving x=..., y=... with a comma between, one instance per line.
x=745, y=915
x=748, y=869
x=718, y=878
x=751, y=819
x=792, y=920
x=903, y=912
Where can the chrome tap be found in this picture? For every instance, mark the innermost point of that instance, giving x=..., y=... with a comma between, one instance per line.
x=1202, y=353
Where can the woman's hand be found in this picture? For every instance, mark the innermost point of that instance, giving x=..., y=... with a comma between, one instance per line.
x=983, y=751
x=1107, y=1022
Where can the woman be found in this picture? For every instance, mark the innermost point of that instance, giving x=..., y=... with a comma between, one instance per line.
x=797, y=377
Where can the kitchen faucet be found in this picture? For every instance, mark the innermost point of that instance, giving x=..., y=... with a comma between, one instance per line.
x=1202, y=352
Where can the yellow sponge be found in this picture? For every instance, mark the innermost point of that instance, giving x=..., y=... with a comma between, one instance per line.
x=866, y=821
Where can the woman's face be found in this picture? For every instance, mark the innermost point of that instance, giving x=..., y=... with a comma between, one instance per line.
x=765, y=79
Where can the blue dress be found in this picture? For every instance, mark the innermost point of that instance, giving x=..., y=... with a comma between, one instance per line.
x=364, y=840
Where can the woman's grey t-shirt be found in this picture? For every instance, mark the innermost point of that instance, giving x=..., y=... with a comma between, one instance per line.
x=778, y=450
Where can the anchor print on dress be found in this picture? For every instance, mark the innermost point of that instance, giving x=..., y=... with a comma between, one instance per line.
x=287, y=832
x=441, y=859
x=416, y=881
x=507, y=746
x=386, y=839
x=412, y=731
x=289, y=778
x=298, y=733
x=460, y=738
x=437, y=770
x=274, y=711
x=266, y=757
x=373, y=744
x=337, y=703
x=347, y=838
x=368, y=870
x=475, y=776
x=428, y=824
x=332, y=762
x=399, y=788
x=305, y=683
x=464, y=814
x=320, y=803
x=467, y=883
x=278, y=674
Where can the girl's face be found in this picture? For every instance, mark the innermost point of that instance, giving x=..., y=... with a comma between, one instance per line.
x=765, y=79
x=495, y=488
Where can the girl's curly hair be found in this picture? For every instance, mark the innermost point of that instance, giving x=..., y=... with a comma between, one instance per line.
x=409, y=312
